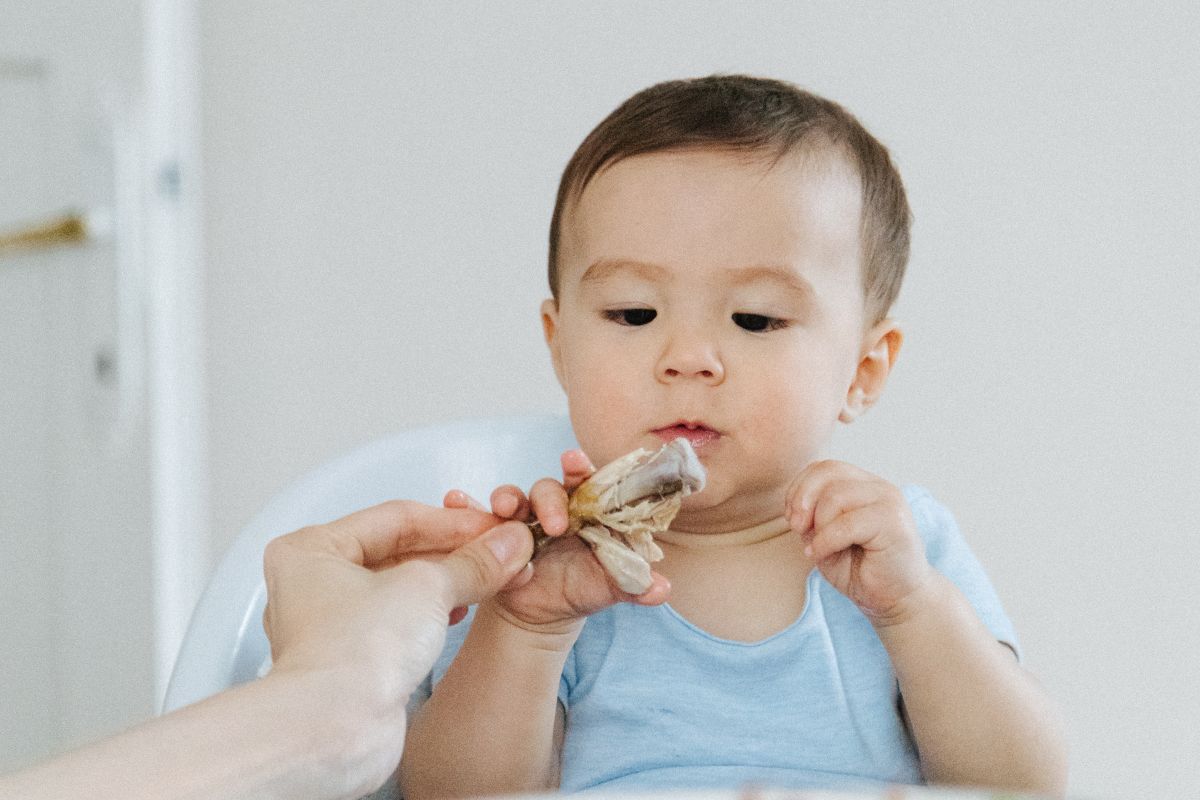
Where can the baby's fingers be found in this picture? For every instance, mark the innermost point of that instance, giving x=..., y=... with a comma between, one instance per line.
x=549, y=500
x=824, y=490
x=857, y=527
x=576, y=468
x=509, y=502
x=657, y=594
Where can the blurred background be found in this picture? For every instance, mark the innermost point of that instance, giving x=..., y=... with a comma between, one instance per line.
x=238, y=239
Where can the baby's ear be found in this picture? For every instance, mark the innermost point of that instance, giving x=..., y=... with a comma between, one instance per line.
x=550, y=331
x=880, y=348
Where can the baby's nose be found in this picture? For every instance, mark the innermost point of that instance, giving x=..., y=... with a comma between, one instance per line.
x=691, y=357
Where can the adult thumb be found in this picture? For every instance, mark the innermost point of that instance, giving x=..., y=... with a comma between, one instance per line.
x=483, y=566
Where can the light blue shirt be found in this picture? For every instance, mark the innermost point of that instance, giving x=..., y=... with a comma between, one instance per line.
x=653, y=702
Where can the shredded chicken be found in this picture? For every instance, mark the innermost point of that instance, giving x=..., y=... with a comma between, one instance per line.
x=620, y=508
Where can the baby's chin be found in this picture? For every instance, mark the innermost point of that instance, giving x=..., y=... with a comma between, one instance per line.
x=745, y=504
x=700, y=512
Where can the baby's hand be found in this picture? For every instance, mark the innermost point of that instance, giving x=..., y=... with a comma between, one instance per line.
x=547, y=500
x=568, y=582
x=860, y=533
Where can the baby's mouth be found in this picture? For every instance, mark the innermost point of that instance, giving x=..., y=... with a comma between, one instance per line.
x=697, y=433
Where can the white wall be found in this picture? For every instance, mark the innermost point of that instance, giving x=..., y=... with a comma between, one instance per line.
x=379, y=180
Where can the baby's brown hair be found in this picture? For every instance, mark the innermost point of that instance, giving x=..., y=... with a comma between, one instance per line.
x=753, y=115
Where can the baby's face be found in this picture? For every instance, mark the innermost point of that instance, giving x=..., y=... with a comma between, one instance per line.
x=702, y=294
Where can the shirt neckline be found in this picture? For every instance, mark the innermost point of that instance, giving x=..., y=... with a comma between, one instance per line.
x=810, y=588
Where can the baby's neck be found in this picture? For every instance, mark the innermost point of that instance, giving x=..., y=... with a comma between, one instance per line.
x=744, y=585
x=755, y=534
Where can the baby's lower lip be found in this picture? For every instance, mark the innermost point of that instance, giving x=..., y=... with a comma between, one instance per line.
x=697, y=436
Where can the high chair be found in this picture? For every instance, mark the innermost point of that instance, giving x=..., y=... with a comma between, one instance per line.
x=225, y=645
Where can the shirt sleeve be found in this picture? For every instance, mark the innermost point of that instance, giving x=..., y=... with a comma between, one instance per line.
x=948, y=552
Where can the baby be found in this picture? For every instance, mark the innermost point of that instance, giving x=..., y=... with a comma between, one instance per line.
x=723, y=256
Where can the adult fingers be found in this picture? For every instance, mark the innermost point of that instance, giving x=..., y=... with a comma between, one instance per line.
x=460, y=499
x=482, y=567
x=380, y=534
x=457, y=498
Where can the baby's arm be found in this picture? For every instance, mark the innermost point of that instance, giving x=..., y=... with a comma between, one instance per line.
x=493, y=724
x=978, y=718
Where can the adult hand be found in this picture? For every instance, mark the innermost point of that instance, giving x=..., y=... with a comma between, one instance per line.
x=356, y=615
x=370, y=594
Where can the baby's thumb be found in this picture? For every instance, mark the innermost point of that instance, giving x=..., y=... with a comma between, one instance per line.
x=483, y=566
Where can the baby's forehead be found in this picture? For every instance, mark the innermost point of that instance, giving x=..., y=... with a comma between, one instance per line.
x=814, y=163
x=686, y=206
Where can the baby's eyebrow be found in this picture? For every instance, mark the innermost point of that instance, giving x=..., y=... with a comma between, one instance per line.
x=606, y=268
x=768, y=273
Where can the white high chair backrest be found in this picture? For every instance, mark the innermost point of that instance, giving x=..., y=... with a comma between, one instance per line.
x=225, y=644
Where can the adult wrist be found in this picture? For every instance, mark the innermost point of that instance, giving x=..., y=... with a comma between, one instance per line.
x=349, y=731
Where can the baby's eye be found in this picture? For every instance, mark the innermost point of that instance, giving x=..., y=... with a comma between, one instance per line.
x=759, y=322
x=631, y=316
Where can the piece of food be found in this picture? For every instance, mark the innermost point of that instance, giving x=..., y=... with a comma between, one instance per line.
x=620, y=507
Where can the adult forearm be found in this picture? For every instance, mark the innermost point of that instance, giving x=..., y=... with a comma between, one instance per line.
x=256, y=741
x=489, y=727
x=977, y=716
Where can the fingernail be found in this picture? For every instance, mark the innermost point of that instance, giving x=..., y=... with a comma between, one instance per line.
x=506, y=505
x=503, y=542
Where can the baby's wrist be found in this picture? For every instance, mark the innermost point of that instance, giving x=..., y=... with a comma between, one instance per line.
x=558, y=636
x=926, y=596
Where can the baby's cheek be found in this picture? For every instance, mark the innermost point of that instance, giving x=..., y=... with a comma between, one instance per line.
x=794, y=431
x=603, y=420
